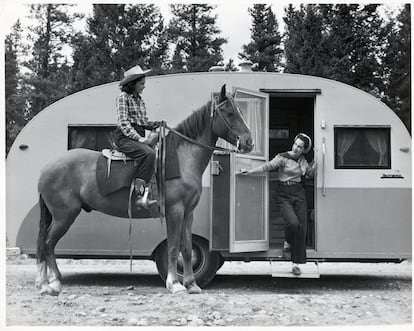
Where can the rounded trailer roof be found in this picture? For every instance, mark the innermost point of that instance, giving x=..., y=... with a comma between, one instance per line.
x=171, y=98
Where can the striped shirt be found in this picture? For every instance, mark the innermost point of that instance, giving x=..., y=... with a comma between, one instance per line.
x=130, y=110
x=289, y=168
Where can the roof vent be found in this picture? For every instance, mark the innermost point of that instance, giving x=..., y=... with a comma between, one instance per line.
x=246, y=66
x=216, y=68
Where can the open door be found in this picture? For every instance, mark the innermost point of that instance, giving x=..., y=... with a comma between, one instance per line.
x=249, y=226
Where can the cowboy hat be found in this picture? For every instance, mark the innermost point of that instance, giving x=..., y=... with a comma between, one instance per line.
x=133, y=74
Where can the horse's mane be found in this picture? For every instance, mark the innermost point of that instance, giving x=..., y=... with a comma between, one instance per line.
x=194, y=124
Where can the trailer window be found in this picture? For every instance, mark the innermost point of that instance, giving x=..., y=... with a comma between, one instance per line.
x=253, y=112
x=90, y=137
x=362, y=148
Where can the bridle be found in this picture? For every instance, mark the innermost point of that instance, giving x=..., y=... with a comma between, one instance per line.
x=215, y=108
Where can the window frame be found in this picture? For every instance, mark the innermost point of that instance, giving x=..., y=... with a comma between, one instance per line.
x=250, y=95
x=262, y=151
x=85, y=126
x=362, y=127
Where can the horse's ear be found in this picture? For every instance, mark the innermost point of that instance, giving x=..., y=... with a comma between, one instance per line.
x=223, y=93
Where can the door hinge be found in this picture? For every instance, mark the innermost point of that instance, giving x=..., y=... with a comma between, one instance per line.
x=216, y=168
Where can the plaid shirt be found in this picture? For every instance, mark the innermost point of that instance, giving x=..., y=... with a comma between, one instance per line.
x=130, y=110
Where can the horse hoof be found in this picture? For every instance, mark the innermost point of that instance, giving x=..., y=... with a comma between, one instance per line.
x=193, y=289
x=40, y=283
x=176, y=288
x=47, y=290
x=56, y=286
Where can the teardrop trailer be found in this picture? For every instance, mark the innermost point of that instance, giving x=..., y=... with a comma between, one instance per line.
x=359, y=201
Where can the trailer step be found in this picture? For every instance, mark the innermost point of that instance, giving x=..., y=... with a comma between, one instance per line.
x=284, y=269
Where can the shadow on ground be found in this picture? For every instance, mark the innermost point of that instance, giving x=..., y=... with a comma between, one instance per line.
x=248, y=282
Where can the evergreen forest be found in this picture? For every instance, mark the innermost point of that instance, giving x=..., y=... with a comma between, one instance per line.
x=351, y=43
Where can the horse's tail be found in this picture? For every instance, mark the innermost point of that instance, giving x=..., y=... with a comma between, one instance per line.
x=44, y=223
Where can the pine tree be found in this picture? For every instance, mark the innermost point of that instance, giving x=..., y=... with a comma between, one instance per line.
x=48, y=65
x=397, y=62
x=230, y=66
x=14, y=92
x=293, y=24
x=304, y=48
x=356, y=37
x=119, y=37
x=158, y=59
x=265, y=46
x=194, y=32
x=340, y=42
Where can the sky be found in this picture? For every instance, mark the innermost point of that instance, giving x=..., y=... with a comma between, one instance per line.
x=232, y=17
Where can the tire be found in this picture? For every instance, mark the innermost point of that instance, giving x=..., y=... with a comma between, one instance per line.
x=205, y=263
x=220, y=264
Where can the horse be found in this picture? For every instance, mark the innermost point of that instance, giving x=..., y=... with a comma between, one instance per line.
x=68, y=185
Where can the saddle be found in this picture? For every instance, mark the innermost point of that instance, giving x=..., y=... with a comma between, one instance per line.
x=114, y=155
x=113, y=175
x=116, y=171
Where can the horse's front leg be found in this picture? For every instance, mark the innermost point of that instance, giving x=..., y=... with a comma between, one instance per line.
x=186, y=250
x=174, y=225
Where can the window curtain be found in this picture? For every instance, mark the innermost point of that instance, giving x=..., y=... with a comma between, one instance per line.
x=77, y=139
x=345, y=141
x=254, y=119
x=252, y=111
x=378, y=143
x=83, y=139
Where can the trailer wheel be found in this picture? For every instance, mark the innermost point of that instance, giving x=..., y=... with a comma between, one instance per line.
x=205, y=263
x=220, y=264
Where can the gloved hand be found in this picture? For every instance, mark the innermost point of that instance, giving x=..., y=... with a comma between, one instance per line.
x=153, y=125
x=152, y=139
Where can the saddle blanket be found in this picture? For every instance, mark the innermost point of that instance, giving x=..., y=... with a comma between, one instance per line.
x=121, y=173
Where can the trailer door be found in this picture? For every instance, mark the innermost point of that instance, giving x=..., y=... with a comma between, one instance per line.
x=249, y=226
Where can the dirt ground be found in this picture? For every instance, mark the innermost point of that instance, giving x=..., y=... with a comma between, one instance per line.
x=106, y=293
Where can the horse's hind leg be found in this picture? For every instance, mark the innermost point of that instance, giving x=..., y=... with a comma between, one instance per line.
x=60, y=225
x=186, y=250
x=44, y=224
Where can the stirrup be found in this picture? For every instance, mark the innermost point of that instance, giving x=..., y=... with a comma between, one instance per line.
x=144, y=202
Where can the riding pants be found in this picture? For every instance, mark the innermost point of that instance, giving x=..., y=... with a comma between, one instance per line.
x=143, y=154
x=292, y=202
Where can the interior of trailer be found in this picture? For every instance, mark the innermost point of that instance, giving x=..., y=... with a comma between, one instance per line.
x=288, y=116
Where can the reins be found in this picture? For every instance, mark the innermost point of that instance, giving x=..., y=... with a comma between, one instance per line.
x=161, y=163
x=195, y=142
x=214, y=108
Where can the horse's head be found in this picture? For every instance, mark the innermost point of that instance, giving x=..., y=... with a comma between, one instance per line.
x=229, y=124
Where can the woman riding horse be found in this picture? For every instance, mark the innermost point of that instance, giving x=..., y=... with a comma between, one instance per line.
x=130, y=133
x=69, y=185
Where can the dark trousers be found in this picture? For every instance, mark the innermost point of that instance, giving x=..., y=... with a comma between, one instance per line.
x=143, y=154
x=292, y=202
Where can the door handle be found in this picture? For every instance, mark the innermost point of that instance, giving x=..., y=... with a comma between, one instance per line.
x=323, y=166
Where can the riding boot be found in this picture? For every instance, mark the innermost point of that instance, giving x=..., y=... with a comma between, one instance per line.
x=142, y=192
